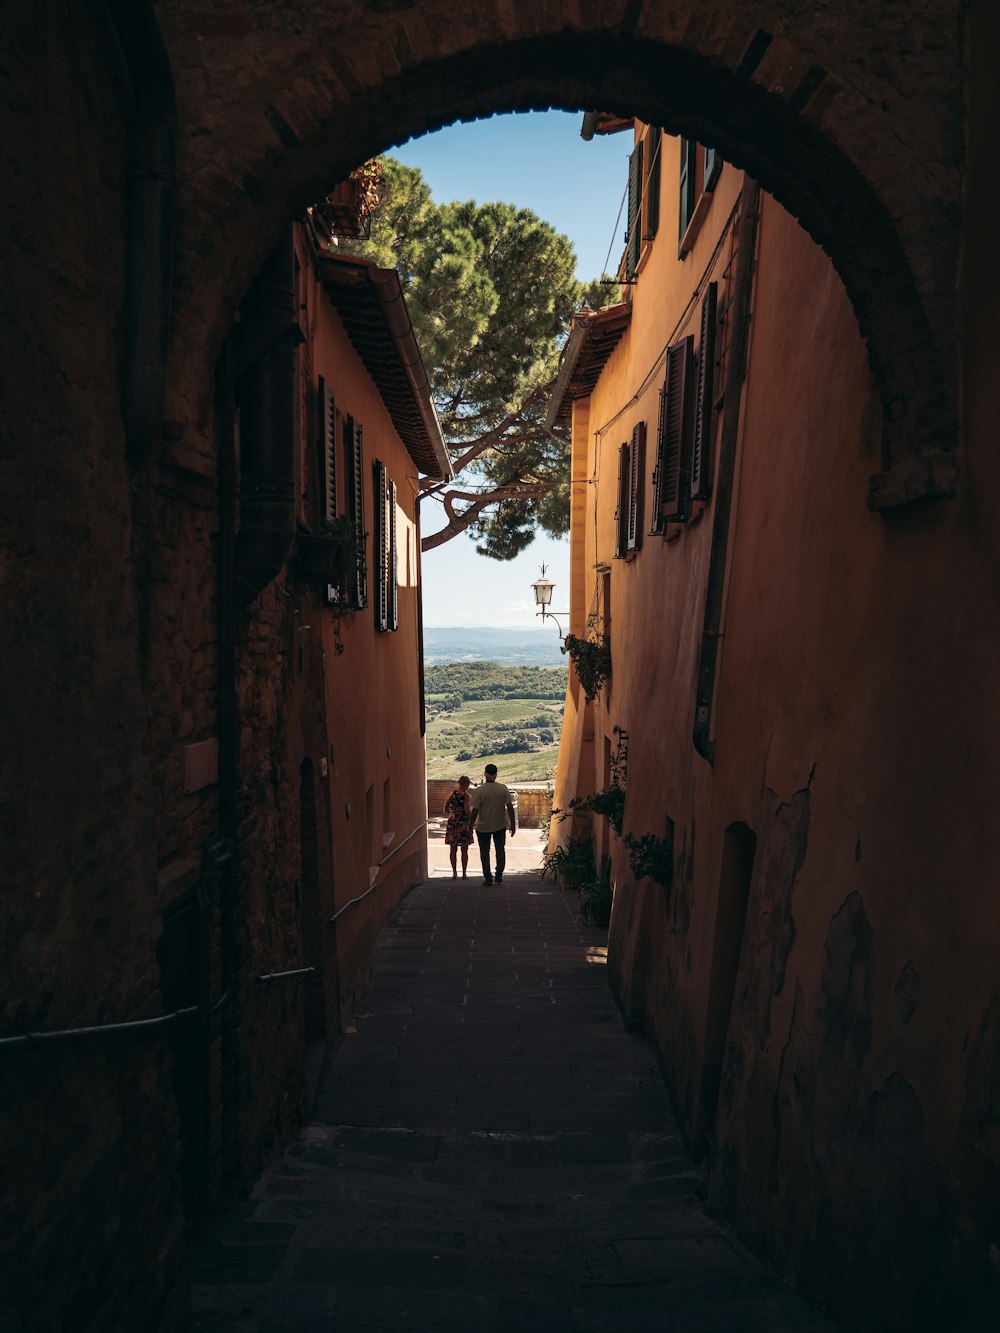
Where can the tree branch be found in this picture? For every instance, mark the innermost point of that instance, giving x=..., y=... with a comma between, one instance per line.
x=461, y=521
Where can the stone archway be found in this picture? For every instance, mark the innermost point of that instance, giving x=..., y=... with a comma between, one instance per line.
x=863, y=148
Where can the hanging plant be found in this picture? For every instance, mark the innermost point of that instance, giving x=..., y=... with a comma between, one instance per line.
x=653, y=856
x=610, y=804
x=592, y=659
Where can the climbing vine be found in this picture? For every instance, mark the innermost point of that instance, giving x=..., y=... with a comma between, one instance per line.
x=592, y=660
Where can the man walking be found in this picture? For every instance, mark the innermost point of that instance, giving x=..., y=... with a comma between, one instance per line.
x=491, y=802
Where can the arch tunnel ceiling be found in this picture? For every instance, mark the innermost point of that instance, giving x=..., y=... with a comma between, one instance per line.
x=849, y=114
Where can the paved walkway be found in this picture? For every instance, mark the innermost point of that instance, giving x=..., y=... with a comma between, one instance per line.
x=491, y=1153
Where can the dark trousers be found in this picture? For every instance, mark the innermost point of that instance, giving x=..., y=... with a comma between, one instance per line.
x=499, y=839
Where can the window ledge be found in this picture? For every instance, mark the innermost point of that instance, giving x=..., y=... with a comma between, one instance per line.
x=694, y=226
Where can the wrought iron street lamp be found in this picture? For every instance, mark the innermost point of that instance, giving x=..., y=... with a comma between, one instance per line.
x=543, y=599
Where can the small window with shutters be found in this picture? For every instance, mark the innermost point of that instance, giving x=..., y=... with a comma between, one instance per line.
x=354, y=454
x=673, y=444
x=621, y=517
x=327, y=451
x=636, y=487
x=702, y=448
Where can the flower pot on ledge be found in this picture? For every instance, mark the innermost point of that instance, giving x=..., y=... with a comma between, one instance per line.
x=323, y=558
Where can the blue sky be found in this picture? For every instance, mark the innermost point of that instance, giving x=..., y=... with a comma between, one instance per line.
x=535, y=160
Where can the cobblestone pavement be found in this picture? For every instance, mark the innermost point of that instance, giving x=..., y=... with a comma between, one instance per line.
x=490, y=1152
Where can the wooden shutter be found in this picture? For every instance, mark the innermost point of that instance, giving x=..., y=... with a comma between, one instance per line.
x=621, y=517
x=379, y=546
x=633, y=234
x=354, y=453
x=327, y=451
x=701, y=453
x=689, y=151
x=656, y=518
x=393, y=561
x=637, y=470
x=655, y=140
x=674, y=443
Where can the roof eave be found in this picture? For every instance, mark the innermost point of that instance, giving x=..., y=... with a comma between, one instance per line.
x=382, y=287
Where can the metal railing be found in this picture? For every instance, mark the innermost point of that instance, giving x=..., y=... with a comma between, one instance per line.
x=265, y=981
x=102, y=1029
x=371, y=889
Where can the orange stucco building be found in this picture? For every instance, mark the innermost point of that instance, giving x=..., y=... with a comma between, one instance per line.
x=798, y=711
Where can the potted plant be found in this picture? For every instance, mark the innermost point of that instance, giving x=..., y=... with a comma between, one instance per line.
x=597, y=895
x=572, y=864
x=329, y=556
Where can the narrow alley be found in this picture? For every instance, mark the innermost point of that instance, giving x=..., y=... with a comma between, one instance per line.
x=490, y=1150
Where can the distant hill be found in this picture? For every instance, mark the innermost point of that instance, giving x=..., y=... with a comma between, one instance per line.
x=510, y=647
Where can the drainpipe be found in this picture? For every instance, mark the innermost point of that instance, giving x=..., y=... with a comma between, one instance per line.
x=736, y=370
x=266, y=338
x=150, y=209
x=221, y=868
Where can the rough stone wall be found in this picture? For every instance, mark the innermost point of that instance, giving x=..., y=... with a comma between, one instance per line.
x=93, y=1231
x=534, y=801
x=851, y=116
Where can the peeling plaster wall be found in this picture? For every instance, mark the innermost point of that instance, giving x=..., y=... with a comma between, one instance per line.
x=855, y=729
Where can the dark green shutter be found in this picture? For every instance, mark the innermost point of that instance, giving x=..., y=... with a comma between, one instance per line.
x=656, y=518
x=637, y=470
x=393, y=561
x=701, y=453
x=380, y=546
x=327, y=448
x=674, y=445
x=633, y=234
x=354, y=453
x=621, y=517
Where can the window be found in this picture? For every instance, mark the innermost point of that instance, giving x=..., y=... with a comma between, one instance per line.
x=327, y=449
x=713, y=166
x=637, y=469
x=643, y=198
x=702, y=450
x=621, y=517
x=699, y=173
x=688, y=191
x=354, y=453
x=670, y=493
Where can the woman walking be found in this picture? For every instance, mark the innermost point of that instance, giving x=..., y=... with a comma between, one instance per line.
x=458, y=832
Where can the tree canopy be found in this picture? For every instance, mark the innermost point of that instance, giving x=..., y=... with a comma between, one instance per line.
x=491, y=290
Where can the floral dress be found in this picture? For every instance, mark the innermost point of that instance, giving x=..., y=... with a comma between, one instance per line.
x=457, y=832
